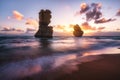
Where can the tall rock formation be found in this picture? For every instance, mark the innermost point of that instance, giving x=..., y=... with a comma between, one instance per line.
x=77, y=31
x=44, y=30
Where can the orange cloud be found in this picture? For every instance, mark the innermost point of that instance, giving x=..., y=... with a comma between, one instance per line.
x=84, y=7
x=17, y=15
x=86, y=26
x=32, y=22
x=101, y=28
x=60, y=28
x=118, y=13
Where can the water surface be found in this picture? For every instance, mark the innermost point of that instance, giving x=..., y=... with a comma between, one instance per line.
x=25, y=56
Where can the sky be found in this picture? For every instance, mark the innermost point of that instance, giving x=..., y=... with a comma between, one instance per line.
x=22, y=15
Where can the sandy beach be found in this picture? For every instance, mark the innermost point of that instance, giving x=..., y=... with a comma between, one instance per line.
x=107, y=68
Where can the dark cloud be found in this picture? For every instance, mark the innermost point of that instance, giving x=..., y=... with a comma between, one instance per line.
x=103, y=20
x=93, y=12
x=96, y=5
x=89, y=15
x=93, y=15
x=118, y=13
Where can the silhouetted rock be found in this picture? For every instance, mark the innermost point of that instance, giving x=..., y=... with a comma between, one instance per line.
x=77, y=31
x=44, y=30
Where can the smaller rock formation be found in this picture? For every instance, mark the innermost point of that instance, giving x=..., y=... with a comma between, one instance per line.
x=77, y=31
x=44, y=30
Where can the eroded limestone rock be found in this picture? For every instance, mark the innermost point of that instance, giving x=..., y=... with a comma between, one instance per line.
x=44, y=30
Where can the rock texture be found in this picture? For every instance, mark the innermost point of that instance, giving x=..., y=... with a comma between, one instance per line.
x=77, y=31
x=44, y=30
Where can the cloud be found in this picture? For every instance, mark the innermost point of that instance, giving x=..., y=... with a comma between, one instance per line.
x=103, y=20
x=93, y=15
x=93, y=12
x=118, y=13
x=17, y=15
x=59, y=28
x=84, y=7
x=6, y=29
x=100, y=28
x=19, y=30
x=118, y=29
x=96, y=5
x=86, y=26
x=30, y=29
x=62, y=28
x=12, y=29
x=32, y=22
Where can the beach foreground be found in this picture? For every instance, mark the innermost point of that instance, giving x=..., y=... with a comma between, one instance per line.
x=106, y=68
x=60, y=58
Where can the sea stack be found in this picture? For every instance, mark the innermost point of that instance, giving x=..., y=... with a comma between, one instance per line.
x=77, y=31
x=44, y=30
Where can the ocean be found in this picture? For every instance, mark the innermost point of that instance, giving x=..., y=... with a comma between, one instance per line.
x=25, y=56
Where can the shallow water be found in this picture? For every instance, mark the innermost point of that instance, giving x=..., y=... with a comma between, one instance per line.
x=25, y=56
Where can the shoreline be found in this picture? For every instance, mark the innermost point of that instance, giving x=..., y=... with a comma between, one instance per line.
x=107, y=68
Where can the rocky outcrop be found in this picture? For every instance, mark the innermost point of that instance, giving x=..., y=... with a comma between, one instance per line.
x=77, y=31
x=44, y=30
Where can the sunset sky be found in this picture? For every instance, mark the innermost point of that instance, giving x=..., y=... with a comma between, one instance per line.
x=21, y=15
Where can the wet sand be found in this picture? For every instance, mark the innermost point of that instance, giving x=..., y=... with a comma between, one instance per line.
x=107, y=68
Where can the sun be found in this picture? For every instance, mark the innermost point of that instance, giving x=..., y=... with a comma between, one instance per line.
x=68, y=29
x=87, y=31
